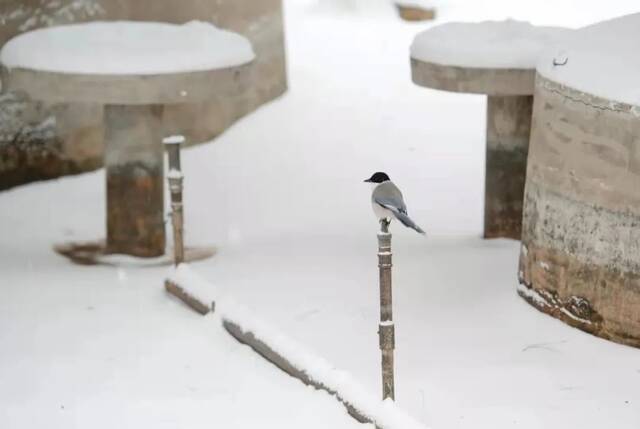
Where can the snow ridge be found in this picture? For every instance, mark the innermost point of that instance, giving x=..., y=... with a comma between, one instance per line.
x=386, y=414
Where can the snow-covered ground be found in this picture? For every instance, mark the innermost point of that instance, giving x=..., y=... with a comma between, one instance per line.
x=282, y=197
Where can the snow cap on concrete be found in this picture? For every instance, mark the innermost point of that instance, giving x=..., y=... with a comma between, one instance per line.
x=489, y=44
x=600, y=59
x=127, y=48
x=177, y=139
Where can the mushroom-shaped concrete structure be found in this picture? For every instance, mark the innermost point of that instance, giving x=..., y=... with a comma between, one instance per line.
x=580, y=258
x=134, y=69
x=497, y=59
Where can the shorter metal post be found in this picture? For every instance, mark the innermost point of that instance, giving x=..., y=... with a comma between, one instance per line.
x=386, y=329
x=175, y=178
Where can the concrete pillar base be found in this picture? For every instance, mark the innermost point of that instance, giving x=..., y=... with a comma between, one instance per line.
x=134, y=160
x=508, y=130
x=581, y=237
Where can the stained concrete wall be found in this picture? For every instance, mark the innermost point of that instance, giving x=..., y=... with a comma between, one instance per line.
x=580, y=259
x=41, y=141
x=508, y=131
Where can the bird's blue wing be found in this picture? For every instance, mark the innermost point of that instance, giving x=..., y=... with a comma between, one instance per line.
x=389, y=196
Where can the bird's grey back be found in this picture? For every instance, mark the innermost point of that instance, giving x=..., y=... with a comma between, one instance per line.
x=388, y=195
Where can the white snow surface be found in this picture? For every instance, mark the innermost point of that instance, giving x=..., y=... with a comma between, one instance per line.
x=121, y=260
x=284, y=202
x=600, y=59
x=386, y=414
x=424, y=4
x=194, y=284
x=177, y=139
x=175, y=174
x=488, y=44
x=127, y=48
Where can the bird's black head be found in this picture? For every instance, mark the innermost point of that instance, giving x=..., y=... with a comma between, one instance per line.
x=378, y=177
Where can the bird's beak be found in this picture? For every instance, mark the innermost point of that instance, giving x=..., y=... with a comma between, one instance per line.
x=368, y=180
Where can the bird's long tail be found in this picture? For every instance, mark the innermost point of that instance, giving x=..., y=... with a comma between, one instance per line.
x=406, y=221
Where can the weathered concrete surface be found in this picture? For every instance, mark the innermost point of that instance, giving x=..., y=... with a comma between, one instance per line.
x=509, y=107
x=37, y=144
x=167, y=88
x=202, y=308
x=473, y=80
x=135, y=180
x=508, y=130
x=580, y=259
x=75, y=143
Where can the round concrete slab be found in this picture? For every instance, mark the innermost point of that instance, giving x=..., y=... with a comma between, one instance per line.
x=473, y=80
x=496, y=59
x=137, y=69
x=167, y=88
x=509, y=105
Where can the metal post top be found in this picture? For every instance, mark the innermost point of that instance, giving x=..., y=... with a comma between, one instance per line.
x=177, y=139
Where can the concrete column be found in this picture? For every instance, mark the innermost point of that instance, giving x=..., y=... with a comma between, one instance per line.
x=508, y=130
x=580, y=256
x=134, y=162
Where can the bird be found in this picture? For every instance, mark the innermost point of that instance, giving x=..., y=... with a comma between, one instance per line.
x=388, y=203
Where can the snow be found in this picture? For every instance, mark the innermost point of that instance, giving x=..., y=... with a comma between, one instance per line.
x=81, y=349
x=489, y=44
x=120, y=260
x=175, y=174
x=193, y=284
x=532, y=294
x=127, y=48
x=562, y=13
x=367, y=9
x=424, y=4
x=606, y=49
x=177, y=139
x=285, y=204
x=386, y=415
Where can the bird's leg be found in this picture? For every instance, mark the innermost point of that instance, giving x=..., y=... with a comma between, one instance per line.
x=384, y=225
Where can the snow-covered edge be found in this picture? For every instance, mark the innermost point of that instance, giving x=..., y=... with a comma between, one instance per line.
x=385, y=414
x=193, y=284
x=527, y=292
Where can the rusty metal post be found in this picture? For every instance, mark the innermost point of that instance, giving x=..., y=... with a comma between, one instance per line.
x=175, y=178
x=386, y=329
